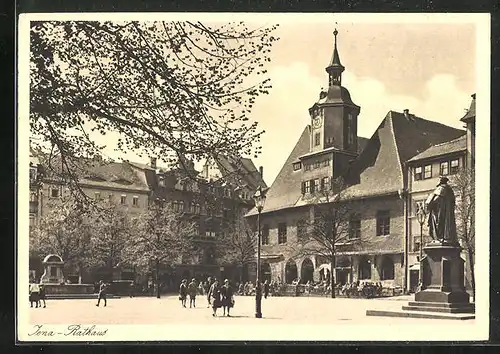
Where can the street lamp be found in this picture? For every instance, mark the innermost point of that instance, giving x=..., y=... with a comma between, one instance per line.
x=260, y=199
x=421, y=214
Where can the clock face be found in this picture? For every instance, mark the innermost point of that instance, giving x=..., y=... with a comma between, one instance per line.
x=316, y=122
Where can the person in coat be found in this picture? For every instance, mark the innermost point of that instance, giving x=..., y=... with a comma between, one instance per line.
x=227, y=299
x=215, y=296
x=42, y=296
x=34, y=294
x=208, y=285
x=192, y=291
x=183, y=292
x=102, y=293
x=266, y=289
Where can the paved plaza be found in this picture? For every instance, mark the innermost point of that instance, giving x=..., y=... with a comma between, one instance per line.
x=276, y=310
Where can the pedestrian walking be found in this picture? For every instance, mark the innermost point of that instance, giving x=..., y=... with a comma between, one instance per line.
x=227, y=297
x=208, y=285
x=266, y=289
x=192, y=291
x=215, y=297
x=183, y=292
x=131, y=287
x=102, y=293
x=42, y=296
x=34, y=294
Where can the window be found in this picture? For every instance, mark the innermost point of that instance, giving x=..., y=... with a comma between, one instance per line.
x=383, y=223
x=454, y=166
x=416, y=246
x=32, y=174
x=175, y=206
x=110, y=197
x=317, y=139
x=198, y=208
x=297, y=166
x=54, y=193
x=418, y=173
x=123, y=199
x=301, y=229
x=306, y=187
x=307, y=167
x=97, y=196
x=324, y=183
x=181, y=206
x=355, y=227
x=350, y=130
x=281, y=233
x=427, y=171
x=265, y=235
x=443, y=168
x=326, y=163
x=317, y=164
x=329, y=141
x=316, y=185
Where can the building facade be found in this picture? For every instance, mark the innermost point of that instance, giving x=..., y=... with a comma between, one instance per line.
x=376, y=186
x=445, y=159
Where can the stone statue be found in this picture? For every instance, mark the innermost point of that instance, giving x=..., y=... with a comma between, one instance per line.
x=441, y=208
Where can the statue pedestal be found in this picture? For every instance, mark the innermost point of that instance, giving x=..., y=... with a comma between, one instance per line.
x=443, y=285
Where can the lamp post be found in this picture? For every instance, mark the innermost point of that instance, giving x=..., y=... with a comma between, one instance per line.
x=421, y=213
x=259, y=198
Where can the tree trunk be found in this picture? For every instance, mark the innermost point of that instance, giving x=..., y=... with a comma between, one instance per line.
x=157, y=279
x=241, y=274
x=472, y=275
x=332, y=273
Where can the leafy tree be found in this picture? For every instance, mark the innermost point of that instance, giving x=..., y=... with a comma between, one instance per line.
x=160, y=237
x=111, y=228
x=464, y=185
x=168, y=89
x=62, y=231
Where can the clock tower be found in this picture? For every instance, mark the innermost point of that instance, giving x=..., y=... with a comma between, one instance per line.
x=334, y=116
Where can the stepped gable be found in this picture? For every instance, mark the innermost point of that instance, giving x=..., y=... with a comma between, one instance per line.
x=242, y=170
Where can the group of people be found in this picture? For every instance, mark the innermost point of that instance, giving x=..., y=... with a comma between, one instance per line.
x=37, y=295
x=248, y=288
x=217, y=295
x=366, y=289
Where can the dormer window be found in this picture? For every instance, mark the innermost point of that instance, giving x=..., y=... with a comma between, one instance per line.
x=297, y=166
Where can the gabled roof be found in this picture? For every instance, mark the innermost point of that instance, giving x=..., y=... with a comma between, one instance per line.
x=471, y=113
x=240, y=171
x=104, y=174
x=377, y=170
x=449, y=147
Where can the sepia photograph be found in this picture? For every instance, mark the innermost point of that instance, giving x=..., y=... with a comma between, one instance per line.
x=253, y=177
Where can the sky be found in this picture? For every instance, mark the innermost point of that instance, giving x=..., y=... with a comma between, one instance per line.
x=428, y=68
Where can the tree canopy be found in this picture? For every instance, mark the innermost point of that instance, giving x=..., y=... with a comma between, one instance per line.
x=167, y=89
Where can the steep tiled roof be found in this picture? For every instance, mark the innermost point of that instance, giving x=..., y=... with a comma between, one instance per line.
x=242, y=169
x=449, y=147
x=377, y=170
x=119, y=175
x=471, y=113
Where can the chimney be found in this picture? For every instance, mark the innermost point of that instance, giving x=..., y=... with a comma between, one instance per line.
x=261, y=171
x=407, y=113
x=153, y=163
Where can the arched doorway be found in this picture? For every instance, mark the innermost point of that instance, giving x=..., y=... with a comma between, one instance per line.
x=364, y=269
x=342, y=269
x=290, y=271
x=387, y=268
x=324, y=273
x=265, y=272
x=306, y=271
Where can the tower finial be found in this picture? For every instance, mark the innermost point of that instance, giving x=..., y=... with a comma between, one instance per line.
x=335, y=68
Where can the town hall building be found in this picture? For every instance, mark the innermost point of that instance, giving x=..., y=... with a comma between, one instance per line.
x=376, y=184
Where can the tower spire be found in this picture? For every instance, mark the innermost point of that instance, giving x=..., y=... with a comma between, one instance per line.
x=335, y=68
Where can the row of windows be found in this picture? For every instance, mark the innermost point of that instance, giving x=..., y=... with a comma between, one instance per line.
x=445, y=168
x=55, y=193
x=218, y=191
x=315, y=185
x=383, y=228
x=315, y=165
